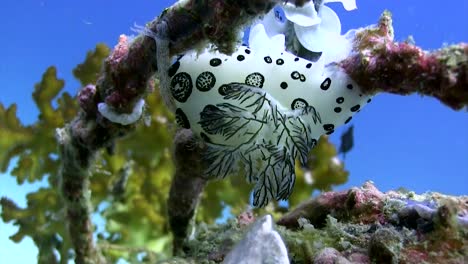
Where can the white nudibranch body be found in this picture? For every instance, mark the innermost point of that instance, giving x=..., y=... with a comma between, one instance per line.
x=260, y=109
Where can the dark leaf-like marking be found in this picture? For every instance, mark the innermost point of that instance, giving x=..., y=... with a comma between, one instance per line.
x=276, y=179
x=221, y=161
x=181, y=118
x=205, y=138
x=174, y=68
x=270, y=140
x=221, y=119
x=244, y=93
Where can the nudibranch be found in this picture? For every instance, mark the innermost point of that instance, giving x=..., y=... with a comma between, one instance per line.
x=260, y=108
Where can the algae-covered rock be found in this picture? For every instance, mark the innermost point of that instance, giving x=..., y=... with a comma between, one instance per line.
x=360, y=225
x=330, y=256
x=385, y=246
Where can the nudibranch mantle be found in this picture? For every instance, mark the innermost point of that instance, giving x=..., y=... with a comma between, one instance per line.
x=260, y=109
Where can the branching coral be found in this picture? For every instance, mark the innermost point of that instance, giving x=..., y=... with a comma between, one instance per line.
x=378, y=61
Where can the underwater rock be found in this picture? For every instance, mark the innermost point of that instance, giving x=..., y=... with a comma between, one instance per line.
x=369, y=205
x=385, y=246
x=359, y=226
x=330, y=256
x=394, y=227
x=363, y=203
x=262, y=244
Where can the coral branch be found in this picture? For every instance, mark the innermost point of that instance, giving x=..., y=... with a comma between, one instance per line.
x=190, y=25
x=381, y=65
x=124, y=80
x=76, y=195
x=187, y=185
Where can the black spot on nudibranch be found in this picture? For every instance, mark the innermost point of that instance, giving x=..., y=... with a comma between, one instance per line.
x=355, y=108
x=296, y=59
x=173, y=69
x=284, y=85
x=255, y=79
x=279, y=62
x=308, y=65
x=347, y=120
x=268, y=59
x=328, y=127
x=314, y=143
x=240, y=57
x=181, y=86
x=302, y=78
x=247, y=51
x=181, y=119
x=349, y=86
x=295, y=75
x=337, y=109
x=223, y=89
x=325, y=84
x=215, y=62
x=299, y=103
x=205, y=81
x=340, y=100
x=369, y=100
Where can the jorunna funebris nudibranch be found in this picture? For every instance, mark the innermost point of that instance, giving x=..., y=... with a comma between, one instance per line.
x=262, y=107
